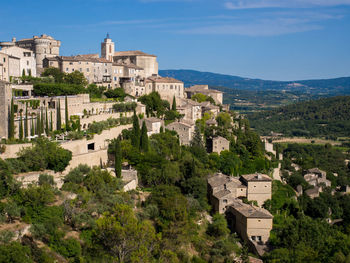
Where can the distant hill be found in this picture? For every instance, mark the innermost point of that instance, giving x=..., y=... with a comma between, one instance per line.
x=326, y=117
x=328, y=87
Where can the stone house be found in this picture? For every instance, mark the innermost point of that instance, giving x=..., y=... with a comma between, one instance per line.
x=130, y=180
x=43, y=46
x=184, y=130
x=191, y=110
x=26, y=58
x=223, y=190
x=168, y=88
x=259, y=187
x=204, y=89
x=220, y=144
x=153, y=125
x=252, y=223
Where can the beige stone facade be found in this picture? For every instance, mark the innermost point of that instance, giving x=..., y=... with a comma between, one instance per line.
x=168, y=88
x=4, y=67
x=204, y=89
x=259, y=187
x=43, y=46
x=220, y=144
x=184, y=130
x=153, y=125
x=252, y=223
x=26, y=58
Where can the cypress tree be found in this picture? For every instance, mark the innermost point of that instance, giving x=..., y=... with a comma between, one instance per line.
x=144, y=138
x=23, y=73
x=173, y=107
x=79, y=126
x=38, y=132
x=12, y=121
x=66, y=113
x=118, y=159
x=26, y=123
x=46, y=123
x=59, y=123
x=51, y=124
x=42, y=122
x=32, y=130
x=135, y=131
x=20, y=127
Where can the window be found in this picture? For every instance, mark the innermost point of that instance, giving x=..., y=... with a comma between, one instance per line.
x=27, y=63
x=225, y=201
x=4, y=59
x=259, y=238
x=70, y=63
x=67, y=69
x=87, y=70
x=80, y=69
x=253, y=238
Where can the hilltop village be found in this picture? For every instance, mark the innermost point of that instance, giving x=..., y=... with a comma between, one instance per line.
x=109, y=122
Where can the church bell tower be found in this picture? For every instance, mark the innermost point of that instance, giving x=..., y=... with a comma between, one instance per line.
x=107, y=48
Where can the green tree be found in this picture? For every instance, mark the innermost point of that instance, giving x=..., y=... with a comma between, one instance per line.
x=136, y=133
x=58, y=118
x=26, y=123
x=66, y=114
x=38, y=124
x=124, y=237
x=12, y=121
x=218, y=228
x=20, y=126
x=42, y=128
x=173, y=107
x=46, y=123
x=32, y=130
x=23, y=73
x=51, y=121
x=144, y=138
x=118, y=159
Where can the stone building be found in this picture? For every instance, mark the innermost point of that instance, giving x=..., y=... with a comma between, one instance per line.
x=253, y=224
x=107, y=48
x=43, y=47
x=220, y=144
x=5, y=101
x=153, y=125
x=191, y=110
x=258, y=187
x=95, y=70
x=4, y=67
x=204, y=89
x=168, y=88
x=185, y=130
x=26, y=57
x=223, y=190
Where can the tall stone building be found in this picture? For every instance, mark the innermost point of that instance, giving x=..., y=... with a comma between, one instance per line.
x=5, y=101
x=107, y=48
x=43, y=47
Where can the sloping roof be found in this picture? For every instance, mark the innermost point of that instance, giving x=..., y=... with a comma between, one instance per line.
x=250, y=211
x=153, y=119
x=181, y=123
x=218, y=179
x=159, y=79
x=222, y=193
x=256, y=177
x=132, y=53
x=83, y=58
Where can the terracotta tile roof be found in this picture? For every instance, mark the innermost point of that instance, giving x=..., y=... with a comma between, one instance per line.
x=132, y=53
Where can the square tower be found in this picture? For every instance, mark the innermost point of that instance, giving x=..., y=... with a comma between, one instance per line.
x=107, y=48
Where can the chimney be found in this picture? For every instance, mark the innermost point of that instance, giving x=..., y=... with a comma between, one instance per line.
x=13, y=39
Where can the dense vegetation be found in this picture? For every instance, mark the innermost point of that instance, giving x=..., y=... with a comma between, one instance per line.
x=101, y=223
x=301, y=232
x=329, y=117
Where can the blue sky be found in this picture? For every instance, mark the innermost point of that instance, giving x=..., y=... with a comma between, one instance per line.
x=268, y=39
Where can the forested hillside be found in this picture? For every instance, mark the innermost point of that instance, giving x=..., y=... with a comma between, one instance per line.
x=323, y=117
x=331, y=87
